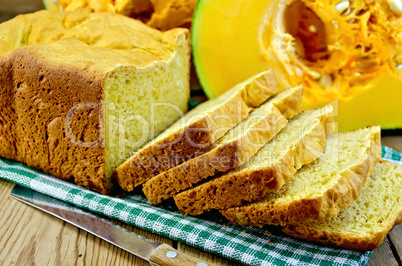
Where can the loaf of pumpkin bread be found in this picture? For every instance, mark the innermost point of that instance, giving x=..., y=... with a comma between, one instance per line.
x=80, y=91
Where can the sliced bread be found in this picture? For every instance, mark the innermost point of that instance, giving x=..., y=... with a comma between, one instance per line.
x=299, y=143
x=196, y=130
x=231, y=150
x=320, y=189
x=366, y=222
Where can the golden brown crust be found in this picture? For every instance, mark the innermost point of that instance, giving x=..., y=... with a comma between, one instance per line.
x=46, y=133
x=328, y=204
x=399, y=219
x=194, y=139
x=234, y=189
x=81, y=33
x=168, y=183
x=220, y=159
x=7, y=113
x=345, y=240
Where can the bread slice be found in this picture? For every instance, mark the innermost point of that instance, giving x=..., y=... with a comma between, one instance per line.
x=320, y=189
x=299, y=143
x=80, y=91
x=366, y=222
x=196, y=131
x=231, y=150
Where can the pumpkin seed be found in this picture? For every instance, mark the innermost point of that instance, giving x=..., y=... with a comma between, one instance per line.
x=326, y=81
x=299, y=71
x=342, y=6
x=396, y=6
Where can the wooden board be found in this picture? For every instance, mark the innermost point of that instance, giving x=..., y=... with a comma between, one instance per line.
x=395, y=238
x=29, y=236
x=383, y=255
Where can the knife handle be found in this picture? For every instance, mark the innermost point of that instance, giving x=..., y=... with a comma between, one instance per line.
x=165, y=255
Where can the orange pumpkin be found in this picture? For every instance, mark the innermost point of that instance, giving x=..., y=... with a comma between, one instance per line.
x=349, y=52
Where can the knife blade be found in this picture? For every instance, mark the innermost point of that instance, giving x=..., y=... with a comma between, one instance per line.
x=151, y=251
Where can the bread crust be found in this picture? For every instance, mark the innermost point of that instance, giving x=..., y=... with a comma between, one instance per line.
x=292, y=104
x=46, y=134
x=8, y=148
x=233, y=189
x=328, y=204
x=220, y=159
x=345, y=240
x=194, y=139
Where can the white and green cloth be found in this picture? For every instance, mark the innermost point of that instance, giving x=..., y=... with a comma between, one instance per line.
x=246, y=245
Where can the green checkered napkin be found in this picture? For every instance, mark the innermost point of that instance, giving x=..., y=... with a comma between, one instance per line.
x=246, y=245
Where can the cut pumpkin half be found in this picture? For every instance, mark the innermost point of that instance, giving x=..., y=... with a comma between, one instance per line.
x=349, y=52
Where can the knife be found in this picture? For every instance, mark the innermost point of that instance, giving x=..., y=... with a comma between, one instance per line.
x=154, y=252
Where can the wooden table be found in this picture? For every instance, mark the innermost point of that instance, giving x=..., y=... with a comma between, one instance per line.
x=32, y=237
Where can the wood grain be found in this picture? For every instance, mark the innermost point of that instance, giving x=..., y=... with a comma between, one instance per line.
x=383, y=255
x=161, y=256
x=20, y=6
x=195, y=252
x=31, y=237
x=396, y=239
